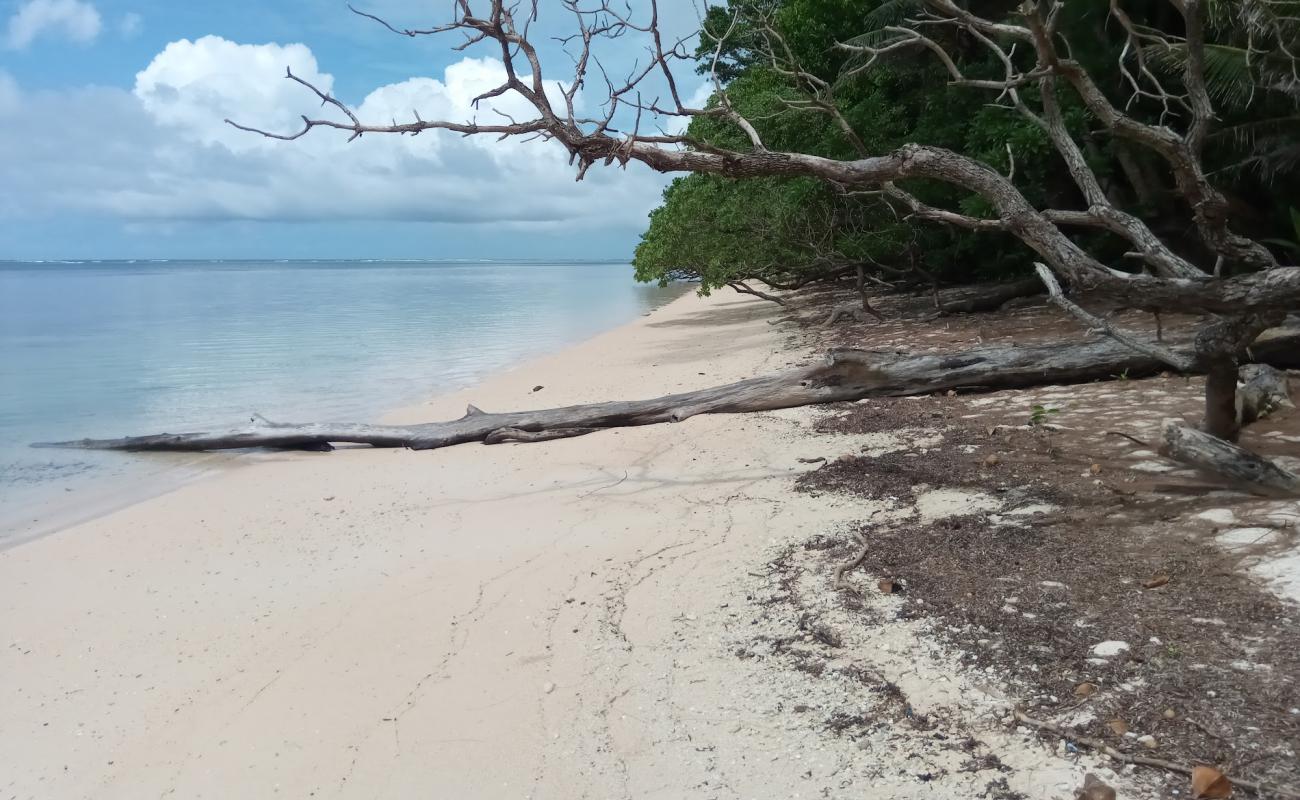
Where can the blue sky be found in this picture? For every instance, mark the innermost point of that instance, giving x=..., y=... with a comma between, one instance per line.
x=112, y=145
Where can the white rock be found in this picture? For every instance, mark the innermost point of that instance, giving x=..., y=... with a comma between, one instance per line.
x=548, y=687
x=1148, y=741
x=1109, y=648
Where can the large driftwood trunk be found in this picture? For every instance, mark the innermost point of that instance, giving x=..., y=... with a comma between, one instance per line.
x=842, y=375
x=1241, y=468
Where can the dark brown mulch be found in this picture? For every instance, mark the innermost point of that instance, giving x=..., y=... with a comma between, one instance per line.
x=1213, y=669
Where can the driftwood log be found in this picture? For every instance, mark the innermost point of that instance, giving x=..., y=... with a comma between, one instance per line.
x=986, y=297
x=1263, y=390
x=842, y=375
x=1240, y=467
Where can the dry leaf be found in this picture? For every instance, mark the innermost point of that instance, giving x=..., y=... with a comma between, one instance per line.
x=1118, y=726
x=1208, y=782
x=1085, y=689
x=888, y=586
x=1096, y=469
x=992, y=461
x=1156, y=582
x=1094, y=788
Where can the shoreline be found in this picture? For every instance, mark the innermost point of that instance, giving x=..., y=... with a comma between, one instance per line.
x=581, y=617
x=140, y=479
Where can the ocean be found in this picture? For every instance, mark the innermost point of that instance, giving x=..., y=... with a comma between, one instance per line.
x=111, y=348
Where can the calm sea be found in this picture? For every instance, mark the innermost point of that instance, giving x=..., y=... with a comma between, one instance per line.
x=113, y=348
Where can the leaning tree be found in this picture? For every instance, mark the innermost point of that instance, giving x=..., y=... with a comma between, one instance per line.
x=1231, y=283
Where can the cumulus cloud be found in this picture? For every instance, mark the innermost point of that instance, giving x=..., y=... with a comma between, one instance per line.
x=72, y=19
x=162, y=152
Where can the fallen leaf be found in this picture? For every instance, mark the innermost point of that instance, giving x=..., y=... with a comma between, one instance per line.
x=992, y=460
x=1118, y=726
x=1085, y=690
x=1208, y=782
x=1156, y=582
x=1094, y=788
x=1095, y=469
x=888, y=586
x=1170, y=713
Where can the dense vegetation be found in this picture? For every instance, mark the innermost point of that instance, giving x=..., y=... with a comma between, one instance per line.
x=790, y=231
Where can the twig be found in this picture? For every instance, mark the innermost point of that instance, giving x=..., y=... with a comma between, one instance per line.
x=843, y=569
x=1130, y=437
x=1147, y=761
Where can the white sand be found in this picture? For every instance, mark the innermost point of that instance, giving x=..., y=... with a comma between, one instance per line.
x=546, y=620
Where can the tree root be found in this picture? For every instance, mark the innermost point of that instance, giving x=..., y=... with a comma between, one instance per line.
x=1147, y=761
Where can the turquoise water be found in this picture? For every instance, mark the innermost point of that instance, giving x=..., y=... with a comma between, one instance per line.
x=115, y=348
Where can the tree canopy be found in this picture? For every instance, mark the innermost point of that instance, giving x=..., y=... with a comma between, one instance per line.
x=789, y=231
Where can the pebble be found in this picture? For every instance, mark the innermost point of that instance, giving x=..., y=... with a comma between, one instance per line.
x=548, y=687
x=1148, y=741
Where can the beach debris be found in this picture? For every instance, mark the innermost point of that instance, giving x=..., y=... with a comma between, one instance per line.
x=1208, y=782
x=1094, y=788
x=1109, y=648
x=1156, y=581
x=992, y=460
x=548, y=687
x=538, y=388
x=1085, y=690
x=1148, y=741
x=817, y=460
x=1118, y=727
x=327, y=499
x=889, y=586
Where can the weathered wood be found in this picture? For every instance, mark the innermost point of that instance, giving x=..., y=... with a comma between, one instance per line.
x=985, y=296
x=1240, y=467
x=1263, y=390
x=842, y=375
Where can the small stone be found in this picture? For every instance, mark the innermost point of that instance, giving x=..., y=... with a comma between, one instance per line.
x=1170, y=713
x=992, y=460
x=864, y=744
x=548, y=687
x=1148, y=741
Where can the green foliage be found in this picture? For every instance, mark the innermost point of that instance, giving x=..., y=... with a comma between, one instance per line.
x=1039, y=415
x=788, y=231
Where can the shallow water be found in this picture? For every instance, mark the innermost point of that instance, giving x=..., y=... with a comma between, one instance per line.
x=114, y=348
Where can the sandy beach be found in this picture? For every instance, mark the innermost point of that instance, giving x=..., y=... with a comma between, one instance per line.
x=568, y=619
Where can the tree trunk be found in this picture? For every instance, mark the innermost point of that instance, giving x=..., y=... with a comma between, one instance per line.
x=843, y=375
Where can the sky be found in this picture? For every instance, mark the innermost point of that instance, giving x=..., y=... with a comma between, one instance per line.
x=113, y=145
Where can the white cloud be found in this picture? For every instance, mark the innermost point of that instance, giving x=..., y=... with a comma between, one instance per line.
x=73, y=19
x=129, y=25
x=163, y=153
